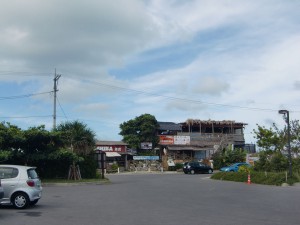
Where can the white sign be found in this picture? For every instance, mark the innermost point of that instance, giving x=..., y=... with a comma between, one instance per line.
x=182, y=140
x=146, y=145
x=109, y=148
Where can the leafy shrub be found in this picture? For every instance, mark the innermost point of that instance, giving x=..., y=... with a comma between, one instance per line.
x=227, y=157
x=231, y=176
x=268, y=178
x=114, y=167
x=245, y=169
x=88, y=167
x=178, y=166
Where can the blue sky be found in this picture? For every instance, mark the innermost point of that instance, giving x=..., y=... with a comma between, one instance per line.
x=205, y=59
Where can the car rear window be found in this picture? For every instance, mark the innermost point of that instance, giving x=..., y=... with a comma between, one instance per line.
x=8, y=172
x=32, y=174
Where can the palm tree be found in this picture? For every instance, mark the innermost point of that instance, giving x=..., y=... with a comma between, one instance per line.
x=78, y=137
x=81, y=141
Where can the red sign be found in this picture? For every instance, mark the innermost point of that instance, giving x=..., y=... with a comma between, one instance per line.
x=166, y=140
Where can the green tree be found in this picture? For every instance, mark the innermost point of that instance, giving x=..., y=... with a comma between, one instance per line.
x=275, y=139
x=38, y=143
x=11, y=136
x=228, y=156
x=278, y=162
x=263, y=164
x=272, y=141
x=140, y=129
x=26, y=146
x=295, y=136
x=268, y=139
x=77, y=137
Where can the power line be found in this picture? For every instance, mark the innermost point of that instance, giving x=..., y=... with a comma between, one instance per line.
x=61, y=108
x=144, y=93
x=24, y=117
x=24, y=96
x=23, y=73
x=181, y=99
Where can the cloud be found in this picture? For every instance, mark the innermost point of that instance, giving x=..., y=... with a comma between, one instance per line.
x=297, y=85
x=93, y=109
x=72, y=34
x=204, y=59
x=210, y=85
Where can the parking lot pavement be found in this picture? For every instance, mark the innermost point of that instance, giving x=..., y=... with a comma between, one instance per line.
x=155, y=199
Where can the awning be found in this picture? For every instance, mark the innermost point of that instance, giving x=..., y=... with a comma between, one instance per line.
x=112, y=154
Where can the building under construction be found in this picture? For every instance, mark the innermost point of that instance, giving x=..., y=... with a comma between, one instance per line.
x=197, y=139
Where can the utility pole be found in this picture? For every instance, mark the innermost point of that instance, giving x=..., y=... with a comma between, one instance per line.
x=56, y=77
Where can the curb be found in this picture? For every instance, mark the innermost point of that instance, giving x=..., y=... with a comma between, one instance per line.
x=75, y=184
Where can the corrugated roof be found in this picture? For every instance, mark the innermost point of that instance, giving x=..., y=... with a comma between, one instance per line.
x=110, y=143
x=169, y=126
x=220, y=122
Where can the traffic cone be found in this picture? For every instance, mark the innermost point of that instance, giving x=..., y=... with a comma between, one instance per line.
x=249, y=179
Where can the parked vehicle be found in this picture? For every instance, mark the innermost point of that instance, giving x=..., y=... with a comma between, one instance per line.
x=1, y=191
x=234, y=167
x=21, y=184
x=196, y=167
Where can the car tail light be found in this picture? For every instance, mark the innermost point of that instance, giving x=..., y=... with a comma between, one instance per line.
x=30, y=183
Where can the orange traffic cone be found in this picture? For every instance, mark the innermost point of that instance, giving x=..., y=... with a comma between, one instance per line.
x=249, y=179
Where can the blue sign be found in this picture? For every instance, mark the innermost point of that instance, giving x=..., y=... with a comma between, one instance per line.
x=145, y=157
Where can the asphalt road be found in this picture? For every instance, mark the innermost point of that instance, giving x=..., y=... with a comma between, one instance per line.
x=161, y=199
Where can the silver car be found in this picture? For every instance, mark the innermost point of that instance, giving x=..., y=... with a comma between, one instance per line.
x=21, y=184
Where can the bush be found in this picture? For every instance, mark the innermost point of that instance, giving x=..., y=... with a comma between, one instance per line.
x=228, y=156
x=231, y=176
x=114, y=167
x=88, y=167
x=268, y=178
x=178, y=166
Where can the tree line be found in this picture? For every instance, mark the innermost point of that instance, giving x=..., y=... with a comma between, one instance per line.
x=52, y=152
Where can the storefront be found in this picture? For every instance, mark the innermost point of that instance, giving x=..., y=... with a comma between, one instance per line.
x=116, y=153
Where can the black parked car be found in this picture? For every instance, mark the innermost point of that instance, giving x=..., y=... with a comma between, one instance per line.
x=196, y=167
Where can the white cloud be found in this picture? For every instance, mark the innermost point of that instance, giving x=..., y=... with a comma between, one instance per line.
x=65, y=34
x=215, y=54
x=210, y=85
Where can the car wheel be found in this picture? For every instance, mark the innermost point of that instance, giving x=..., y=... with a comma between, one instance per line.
x=185, y=172
x=34, y=202
x=192, y=171
x=20, y=200
x=210, y=171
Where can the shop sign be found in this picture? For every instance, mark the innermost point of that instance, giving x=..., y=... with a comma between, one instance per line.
x=111, y=148
x=166, y=139
x=140, y=157
x=177, y=140
x=182, y=140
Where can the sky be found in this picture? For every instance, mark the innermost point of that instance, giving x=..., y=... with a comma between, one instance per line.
x=176, y=60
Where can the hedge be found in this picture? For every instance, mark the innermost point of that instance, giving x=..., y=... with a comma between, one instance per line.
x=268, y=178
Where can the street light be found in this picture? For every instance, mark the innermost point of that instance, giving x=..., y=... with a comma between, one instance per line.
x=286, y=112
